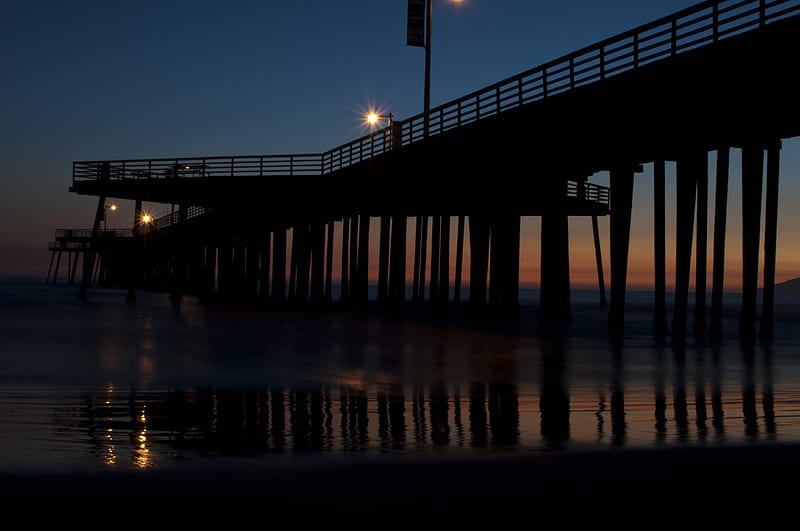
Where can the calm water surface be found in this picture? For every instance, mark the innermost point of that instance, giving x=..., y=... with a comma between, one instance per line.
x=107, y=384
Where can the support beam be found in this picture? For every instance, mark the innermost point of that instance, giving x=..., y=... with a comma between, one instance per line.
x=423, y=259
x=659, y=247
x=50, y=269
x=265, y=243
x=720, y=222
x=459, y=260
x=417, y=253
x=58, y=264
x=239, y=272
x=554, y=292
x=598, y=254
x=752, y=189
x=89, y=254
x=479, y=233
x=302, y=240
x=225, y=261
x=444, y=261
x=137, y=248
x=317, y=249
x=329, y=262
x=397, y=271
x=345, y=280
x=701, y=251
x=504, y=270
x=363, y=259
x=354, y=281
x=621, y=206
x=436, y=233
x=210, y=276
x=383, y=258
x=279, y=265
x=688, y=168
x=770, y=242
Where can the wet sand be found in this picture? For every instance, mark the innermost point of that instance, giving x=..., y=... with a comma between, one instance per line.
x=677, y=488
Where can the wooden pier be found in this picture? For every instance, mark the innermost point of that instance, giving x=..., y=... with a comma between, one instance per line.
x=706, y=80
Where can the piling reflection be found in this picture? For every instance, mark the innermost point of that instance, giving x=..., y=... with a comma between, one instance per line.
x=505, y=404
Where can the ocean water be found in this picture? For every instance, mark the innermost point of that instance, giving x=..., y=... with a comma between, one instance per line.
x=107, y=384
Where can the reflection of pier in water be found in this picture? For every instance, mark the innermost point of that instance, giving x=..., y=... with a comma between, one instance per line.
x=555, y=412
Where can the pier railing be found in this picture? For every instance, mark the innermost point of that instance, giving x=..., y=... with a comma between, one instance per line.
x=175, y=217
x=85, y=234
x=171, y=168
x=700, y=25
x=696, y=26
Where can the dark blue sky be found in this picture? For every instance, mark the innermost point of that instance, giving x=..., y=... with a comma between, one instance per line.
x=107, y=80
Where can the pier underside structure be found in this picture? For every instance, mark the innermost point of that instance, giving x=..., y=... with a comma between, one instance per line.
x=701, y=82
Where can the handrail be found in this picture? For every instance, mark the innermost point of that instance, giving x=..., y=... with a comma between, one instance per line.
x=174, y=218
x=168, y=168
x=696, y=26
x=700, y=25
x=66, y=234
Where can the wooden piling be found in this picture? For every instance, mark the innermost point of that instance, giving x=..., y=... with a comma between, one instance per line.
x=58, y=264
x=720, y=222
x=459, y=260
x=317, y=248
x=383, y=259
x=436, y=233
x=687, y=171
x=598, y=254
x=444, y=261
x=554, y=285
x=621, y=206
x=417, y=252
x=265, y=243
x=210, y=276
x=423, y=258
x=354, y=281
x=397, y=272
x=770, y=241
x=345, y=274
x=659, y=247
x=752, y=186
x=50, y=268
x=91, y=251
x=279, y=265
x=479, y=234
x=701, y=249
x=363, y=259
x=329, y=261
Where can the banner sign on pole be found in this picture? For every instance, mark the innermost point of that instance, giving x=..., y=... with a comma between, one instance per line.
x=416, y=23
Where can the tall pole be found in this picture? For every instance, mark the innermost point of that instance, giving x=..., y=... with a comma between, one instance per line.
x=429, y=9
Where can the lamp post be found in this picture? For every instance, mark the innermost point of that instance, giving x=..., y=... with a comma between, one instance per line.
x=373, y=118
x=112, y=208
x=415, y=39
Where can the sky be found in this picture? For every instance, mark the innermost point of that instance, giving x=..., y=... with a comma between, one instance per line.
x=93, y=80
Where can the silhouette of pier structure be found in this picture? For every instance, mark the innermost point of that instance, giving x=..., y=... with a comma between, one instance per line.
x=706, y=80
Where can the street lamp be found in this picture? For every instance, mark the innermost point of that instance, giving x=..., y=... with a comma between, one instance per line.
x=112, y=208
x=372, y=118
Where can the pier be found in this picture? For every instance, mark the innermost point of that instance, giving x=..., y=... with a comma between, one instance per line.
x=706, y=80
